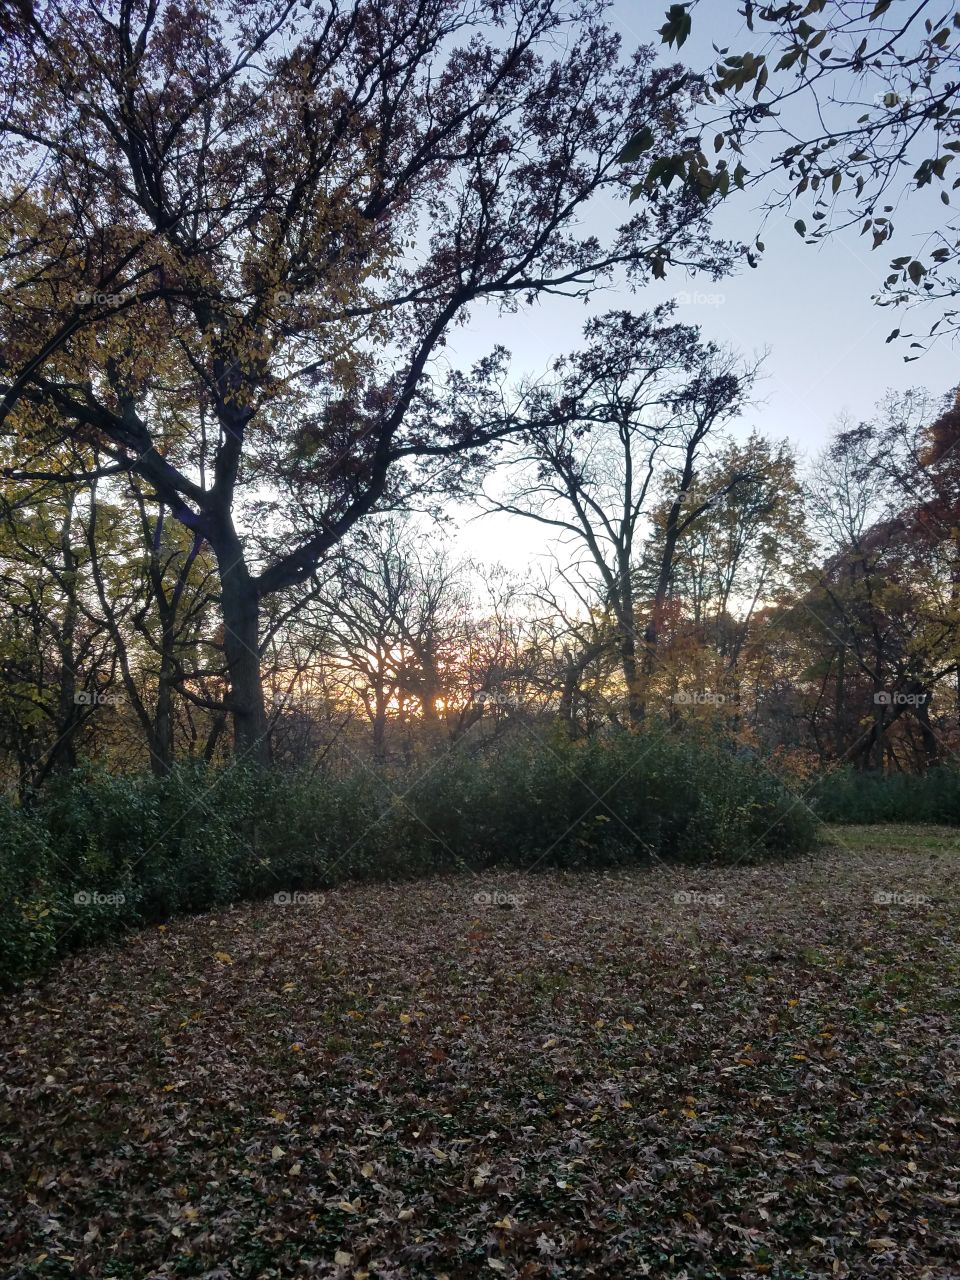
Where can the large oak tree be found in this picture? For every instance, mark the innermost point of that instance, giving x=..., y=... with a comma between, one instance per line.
x=234, y=242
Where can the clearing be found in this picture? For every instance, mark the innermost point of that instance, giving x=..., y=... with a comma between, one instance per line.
x=680, y=1072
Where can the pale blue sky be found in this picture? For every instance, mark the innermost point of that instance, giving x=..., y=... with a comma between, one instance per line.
x=809, y=306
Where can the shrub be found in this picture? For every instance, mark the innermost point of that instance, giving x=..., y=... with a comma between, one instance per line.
x=849, y=796
x=98, y=854
x=29, y=895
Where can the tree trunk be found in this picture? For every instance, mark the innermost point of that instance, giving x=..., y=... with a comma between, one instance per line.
x=931, y=743
x=631, y=676
x=569, y=689
x=241, y=642
x=379, y=724
x=63, y=757
x=161, y=736
x=651, y=635
x=628, y=649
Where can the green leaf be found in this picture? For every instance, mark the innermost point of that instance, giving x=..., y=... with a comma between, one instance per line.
x=677, y=26
x=638, y=144
x=800, y=227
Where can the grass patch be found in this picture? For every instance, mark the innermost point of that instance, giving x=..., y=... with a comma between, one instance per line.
x=895, y=836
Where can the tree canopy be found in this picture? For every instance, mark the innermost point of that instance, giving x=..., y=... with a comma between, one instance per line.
x=234, y=244
x=846, y=107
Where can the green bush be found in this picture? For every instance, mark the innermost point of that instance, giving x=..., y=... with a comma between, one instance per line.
x=98, y=854
x=30, y=892
x=846, y=795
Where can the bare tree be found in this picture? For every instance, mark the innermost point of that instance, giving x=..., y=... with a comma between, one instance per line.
x=632, y=408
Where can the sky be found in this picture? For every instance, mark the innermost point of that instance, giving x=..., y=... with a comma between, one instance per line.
x=808, y=307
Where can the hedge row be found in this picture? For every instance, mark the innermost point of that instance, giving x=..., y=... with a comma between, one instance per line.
x=100, y=854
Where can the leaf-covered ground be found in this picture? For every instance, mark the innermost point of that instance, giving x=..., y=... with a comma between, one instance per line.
x=670, y=1073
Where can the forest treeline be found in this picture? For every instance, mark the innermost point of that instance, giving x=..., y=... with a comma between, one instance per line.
x=805, y=612
x=237, y=244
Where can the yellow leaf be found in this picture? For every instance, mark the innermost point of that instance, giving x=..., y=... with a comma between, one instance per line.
x=276, y=1153
x=346, y=1206
x=792, y=1003
x=405, y=1019
x=191, y=1213
x=295, y=1169
x=342, y=1258
x=549, y=1044
x=278, y=1115
x=296, y=1047
x=367, y=1170
x=223, y=956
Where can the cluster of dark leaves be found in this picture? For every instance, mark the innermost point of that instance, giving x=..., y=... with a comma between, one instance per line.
x=679, y=1072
